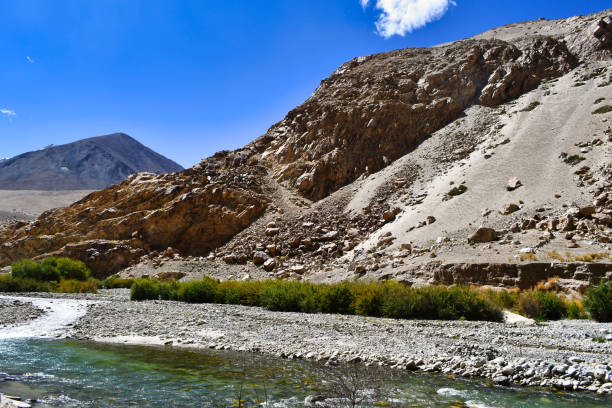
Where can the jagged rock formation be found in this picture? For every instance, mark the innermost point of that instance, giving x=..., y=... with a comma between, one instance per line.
x=373, y=110
x=192, y=211
x=87, y=164
x=389, y=164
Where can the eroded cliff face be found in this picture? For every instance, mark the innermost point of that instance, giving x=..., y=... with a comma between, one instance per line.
x=369, y=113
x=193, y=212
x=375, y=109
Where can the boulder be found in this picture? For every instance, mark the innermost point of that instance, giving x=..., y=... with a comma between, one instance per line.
x=170, y=275
x=587, y=211
x=602, y=218
x=269, y=264
x=529, y=224
x=567, y=223
x=298, y=269
x=272, y=231
x=330, y=236
x=483, y=234
x=389, y=215
x=509, y=209
x=260, y=257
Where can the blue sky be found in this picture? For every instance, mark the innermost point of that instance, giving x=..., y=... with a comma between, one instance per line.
x=188, y=78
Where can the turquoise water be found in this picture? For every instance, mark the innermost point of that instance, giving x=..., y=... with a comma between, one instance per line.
x=73, y=374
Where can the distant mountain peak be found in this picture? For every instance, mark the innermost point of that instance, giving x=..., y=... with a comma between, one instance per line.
x=87, y=164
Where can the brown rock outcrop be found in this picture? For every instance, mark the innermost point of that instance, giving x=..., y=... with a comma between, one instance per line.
x=374, y=109
x=595, y=40
x=193, y=211
x=524, y=276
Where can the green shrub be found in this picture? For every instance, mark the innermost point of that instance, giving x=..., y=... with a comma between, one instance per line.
x=504, y=298
x=542, y=305
x=115, y=282
x=402, y=302
x=76, y=286
x=573, y=159
x=145, y=289
x=335, y=298
x=66, y=268
x=368, y=299
x=575, y=310
x=602, y=109
x=458, y=302
x=9, y=283
x=553, y=307
x=530, y=107
x=51, y=269
x=598, y=301
x=283, y=296
x=204, y=291
x=390, y=299
x=168, y=290
x=241, y=293
x=25, y=268
x=455, y=191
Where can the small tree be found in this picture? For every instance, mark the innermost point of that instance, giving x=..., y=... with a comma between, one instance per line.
x=598, y=301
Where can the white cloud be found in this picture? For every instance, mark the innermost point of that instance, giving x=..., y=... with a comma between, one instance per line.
x=7, y=112
x=30, y=60
x=399, y=17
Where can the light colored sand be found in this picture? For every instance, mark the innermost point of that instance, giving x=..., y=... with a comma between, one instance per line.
x=537, y=138
x=35, y=202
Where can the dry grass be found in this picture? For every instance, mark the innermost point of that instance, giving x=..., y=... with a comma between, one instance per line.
x=528, y=257
x=548, y=285
x=591, y=257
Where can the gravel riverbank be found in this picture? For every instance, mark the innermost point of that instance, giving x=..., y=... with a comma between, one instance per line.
x=569, y=354
x=15, y=311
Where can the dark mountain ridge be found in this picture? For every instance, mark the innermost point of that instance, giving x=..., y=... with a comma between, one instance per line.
x=87, y=164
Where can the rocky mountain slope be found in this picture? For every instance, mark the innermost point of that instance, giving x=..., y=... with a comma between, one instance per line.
x=87, y=164
x=388, y=171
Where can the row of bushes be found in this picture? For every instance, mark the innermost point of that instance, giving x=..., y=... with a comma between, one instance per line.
x=53, y=274
x=9, y=283
x=56, y=274
x=53, y=269
x=389, y=299
x=538, y=304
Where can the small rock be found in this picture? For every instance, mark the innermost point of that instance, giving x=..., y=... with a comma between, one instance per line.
x=513, y=184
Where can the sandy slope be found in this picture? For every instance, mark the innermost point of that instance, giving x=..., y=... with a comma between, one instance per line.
x=532, y=142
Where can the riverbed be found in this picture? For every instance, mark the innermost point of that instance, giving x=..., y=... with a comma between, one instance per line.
x=206, y=356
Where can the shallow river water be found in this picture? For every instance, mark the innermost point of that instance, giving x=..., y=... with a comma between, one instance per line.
x=65, y=373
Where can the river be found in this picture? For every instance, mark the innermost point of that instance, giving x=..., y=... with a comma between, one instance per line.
x=37, y=362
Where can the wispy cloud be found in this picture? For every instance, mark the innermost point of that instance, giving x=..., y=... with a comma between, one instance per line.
x=8, y=112
x=398, y=17
x=30, y=60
